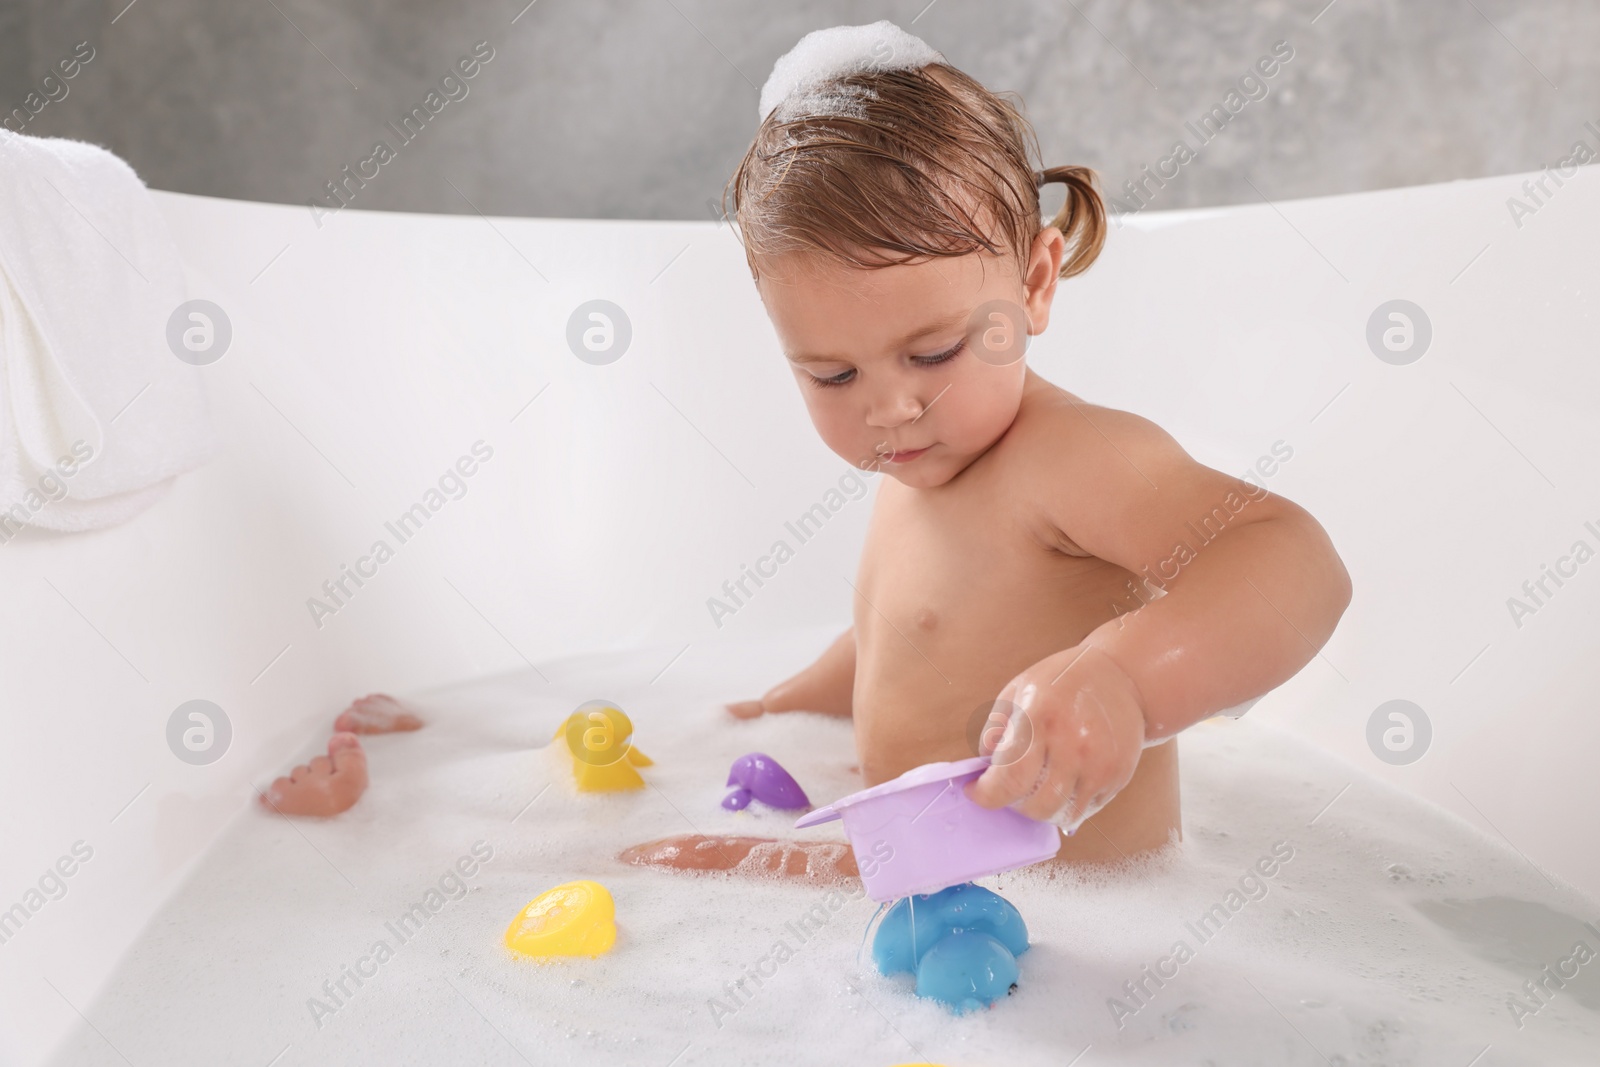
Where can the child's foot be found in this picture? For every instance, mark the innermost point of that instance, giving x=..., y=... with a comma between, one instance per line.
x=325, y=786
x=829, y=860
x=376, y=713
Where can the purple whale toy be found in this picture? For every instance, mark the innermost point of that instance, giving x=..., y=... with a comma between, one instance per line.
x=758, y=775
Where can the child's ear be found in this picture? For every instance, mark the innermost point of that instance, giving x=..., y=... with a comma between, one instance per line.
x=1042, y=273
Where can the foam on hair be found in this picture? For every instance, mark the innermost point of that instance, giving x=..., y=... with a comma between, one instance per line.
x=873, y=151
x=805, y=79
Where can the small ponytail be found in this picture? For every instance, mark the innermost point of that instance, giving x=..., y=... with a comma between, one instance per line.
x=1081, y=220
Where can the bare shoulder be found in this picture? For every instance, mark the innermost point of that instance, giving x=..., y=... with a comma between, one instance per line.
x=1073, y=441
x=1097, y=479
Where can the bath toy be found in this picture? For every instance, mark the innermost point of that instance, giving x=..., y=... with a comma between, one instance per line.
x=326, y=786
x=599, y=738
x=758, y=775
x=819, y=862
x=920, y=833
x=961, y=943
x=575, y=919
x=377, y=713
x=914, y=924
x=967, y=970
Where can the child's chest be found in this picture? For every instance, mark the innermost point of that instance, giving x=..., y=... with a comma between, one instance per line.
x=973, y=566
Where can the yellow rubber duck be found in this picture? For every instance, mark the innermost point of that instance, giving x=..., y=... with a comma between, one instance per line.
x=574, y=919
x=599, y=740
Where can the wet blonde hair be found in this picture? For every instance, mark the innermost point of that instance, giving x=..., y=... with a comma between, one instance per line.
x=921, y=163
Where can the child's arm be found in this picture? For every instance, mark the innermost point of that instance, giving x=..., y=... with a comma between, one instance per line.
x=1253, y=586
x=1241, y=618
x=825, y=686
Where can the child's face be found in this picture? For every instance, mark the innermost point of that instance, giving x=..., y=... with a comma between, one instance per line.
x=914, y=370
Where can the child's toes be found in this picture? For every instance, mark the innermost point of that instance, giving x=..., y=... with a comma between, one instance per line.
x=350, y=760
x=270, y=796
x=376, y=713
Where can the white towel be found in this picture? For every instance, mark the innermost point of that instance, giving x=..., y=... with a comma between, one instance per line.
x=89, y=277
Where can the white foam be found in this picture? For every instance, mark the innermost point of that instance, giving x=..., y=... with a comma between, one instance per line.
x=802, y=80
x=1345, y=954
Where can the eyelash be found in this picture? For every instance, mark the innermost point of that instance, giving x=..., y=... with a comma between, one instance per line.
x=924, y=361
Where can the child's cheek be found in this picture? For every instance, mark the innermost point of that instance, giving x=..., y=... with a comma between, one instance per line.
x=989, y=412
x=837, y=431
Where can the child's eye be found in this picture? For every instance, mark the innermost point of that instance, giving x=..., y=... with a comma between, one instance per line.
x=838, y=379
x=844, y=377
x=930, y=361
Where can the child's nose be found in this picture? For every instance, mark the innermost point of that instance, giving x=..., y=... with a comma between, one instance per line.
x=894, y=410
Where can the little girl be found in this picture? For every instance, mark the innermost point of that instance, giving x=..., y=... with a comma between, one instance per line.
x=1033, y=584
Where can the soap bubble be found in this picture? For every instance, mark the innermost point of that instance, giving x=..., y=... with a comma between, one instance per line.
x=803, y=80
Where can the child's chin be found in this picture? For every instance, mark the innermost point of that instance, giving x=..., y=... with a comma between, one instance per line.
x=917, y=474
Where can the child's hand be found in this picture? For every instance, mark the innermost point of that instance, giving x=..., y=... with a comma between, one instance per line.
x=823, y=686
x=746, y=709
x=777, y=700
x=1073, y=729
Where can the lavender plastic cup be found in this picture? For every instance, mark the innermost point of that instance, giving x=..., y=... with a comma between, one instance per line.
x=919, y=833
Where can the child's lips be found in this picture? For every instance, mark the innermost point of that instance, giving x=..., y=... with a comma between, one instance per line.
x=906, y=457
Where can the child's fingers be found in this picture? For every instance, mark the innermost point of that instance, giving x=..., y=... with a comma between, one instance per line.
x=745, y=709
x=998, y=718
x=1057, y=796
x=1093, y=790
x=1010, y=778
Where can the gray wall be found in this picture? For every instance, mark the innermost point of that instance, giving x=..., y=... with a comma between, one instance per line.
x=642, y=108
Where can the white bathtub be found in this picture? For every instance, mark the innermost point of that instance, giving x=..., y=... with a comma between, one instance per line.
x=371, y=353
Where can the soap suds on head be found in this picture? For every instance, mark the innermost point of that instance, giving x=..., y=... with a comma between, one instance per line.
x=804, y=80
